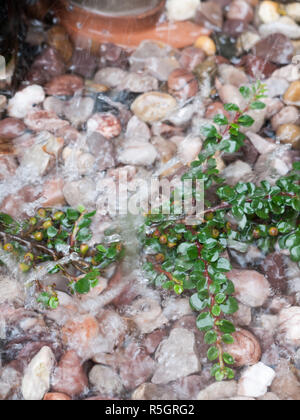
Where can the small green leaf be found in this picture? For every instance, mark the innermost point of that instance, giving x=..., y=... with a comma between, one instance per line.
x=198, y=304
x=219, y=375
x=205, y=321
x=84, y=235
x=228, y=339
x=257, y=105
x=246, y=121
x=226, y=327
x=220, y=119
x=220, y=298
x=213, y=354
x=226, y=193
x=245, y=91
x=230, y=306
x=231, y=107
x=228, y=359
x=223, y=265
x=295, y=253
x=53, y=302
x=178, y=289
x=72, y=214
x=52, y=232
x=210, y=337
x=216, y=310
x=83, y=286
x=101, y=249
x=296, y=204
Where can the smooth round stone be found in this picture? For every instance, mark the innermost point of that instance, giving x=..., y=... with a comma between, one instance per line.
x=292, y=95
x=255, y=65
x=288, y=115
x=289, y=134
x=153, y=106
x=65, y=85
x=191, y=57
x=210, y=15
x=178, y=10
x=206, y=44
x=235, y=27
x=240, y=9
x=277, y=48
x=268, y=11
x=11, y=128
x=293, y=11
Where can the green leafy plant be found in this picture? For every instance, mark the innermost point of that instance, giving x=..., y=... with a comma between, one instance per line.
x=178, y=257
x=191, y=260
x=59, y=237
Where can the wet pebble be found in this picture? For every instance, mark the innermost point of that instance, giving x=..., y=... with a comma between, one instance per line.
x=78, y=110
x=36, y=380
x=182, y=84
x=105, y=380
x=136, y=367
x=292, y=95
x=234, y=28
x=44, y=121
x=23, y=102
x=52, y=195
x=245, y=350
x=277, y=47
x=256, y=65
x=251, y=287
x=268, y=11
x=230, y=75
x=138, y=83
x=218, y=391
x=56, y=396
x=80, y=193
x=11, y=128
x=289, y=134
x=178, y=10
x=255, y=380
x=8, y=166
x=83, y=63
x=153, y=106
x=288, y=115
x=210, y=15
x=103, y=150
x=289, y=325
x=286, y=385
x=48, y=64
x=284, y=26
x=184, y=361
x=110, y=76
x=191, y=57
x=69, y=377
x=241, y=10
x=65, y=85
x=106, y=124
x=147, y=315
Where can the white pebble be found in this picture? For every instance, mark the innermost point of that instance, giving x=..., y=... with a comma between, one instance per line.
x=182, y=9
x=138, y=153
x=22, y=103
x=36, y=381
x=289, y=325
x=255, y=381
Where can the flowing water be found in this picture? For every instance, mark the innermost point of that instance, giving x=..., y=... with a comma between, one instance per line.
x=127, y=339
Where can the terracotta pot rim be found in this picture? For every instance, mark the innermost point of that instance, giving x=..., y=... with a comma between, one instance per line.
x=147, y=14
